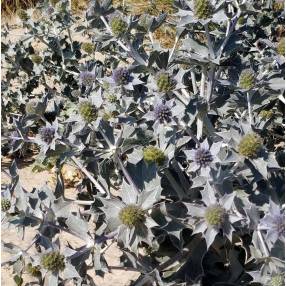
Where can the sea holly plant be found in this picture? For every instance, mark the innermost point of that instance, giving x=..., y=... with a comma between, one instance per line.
x=171, y=114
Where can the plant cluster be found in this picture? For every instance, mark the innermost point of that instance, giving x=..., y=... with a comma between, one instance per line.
x=175, y=141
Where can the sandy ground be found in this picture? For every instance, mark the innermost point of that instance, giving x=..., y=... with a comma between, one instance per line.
x=29, y=180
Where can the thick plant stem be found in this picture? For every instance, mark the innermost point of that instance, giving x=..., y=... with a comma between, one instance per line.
x=202, y=94
x=86, y=172
x=194, y=83
x=126, y=174
x=265, y=249
x=249, y=108
x=180, y=192
x=210, y=45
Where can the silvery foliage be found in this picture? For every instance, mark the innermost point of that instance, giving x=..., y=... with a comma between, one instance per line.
x=198, y=124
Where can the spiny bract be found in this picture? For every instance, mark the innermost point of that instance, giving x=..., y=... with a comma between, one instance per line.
x=153, y=154
x=250, y=145
x=118, y=26
x=132, y=215
x=247, y=79
x=215, y=215
x=53, y=261
x=164, y=82
x=203, y=9
x=87, y=111
x=34, y=270
x=277, y=280
x=88, y=47
x=266, y=114
x=281, y=47
x=5, y=205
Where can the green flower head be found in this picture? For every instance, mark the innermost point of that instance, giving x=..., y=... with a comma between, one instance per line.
x=247, y=79
x=203, y=9
x=132, y=215
x=88, y=47
x=164, y=82
x=250, y=145
x=118, y=26
x=153, y=154
x=36, y=59
x=277, y=280
x=34, y=270
x=5, y=205
x=87, y=111
x=215, y=215
x=281, y=47
x=53, y=261
x=266, y=114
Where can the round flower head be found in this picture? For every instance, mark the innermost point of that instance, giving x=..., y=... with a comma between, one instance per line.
x=215, y=215
x=281, y=47
x=132, y=215
x=203, y=9
x=163, y=112
x=53, y=261
x=87, y=111
x=247, y=79
x=278, y=5
x=87, y=78
x=203, y=157
x=118, y=26
x=34, y=270
x=5, y=205
x=54, y=2
x=35, y=107
x=153, y=154
x=87, y=47
x=36, y=59
x=164, y=82
x=121, y=76
x=250, y=145
x=47, y=134
x=266, y=114
x=277, y=280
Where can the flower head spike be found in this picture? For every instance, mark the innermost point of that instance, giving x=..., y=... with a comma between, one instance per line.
x=153, y=154
x=247, y=79
x=53, y=261
x=47, y=134
x=203, y=9
x=215, y=215
x=118, y=26
x=277, y=280
x=266, y=114
x=250, y=145
x=36, y=59
x=87, y=111
x=88, y=47
x=87, y=78
x=274, y=223
x=132, y=215
x=121, y=76
x=34, y=271
x=164, y=82
x=204, y=156
x=5, y=204
x=163, y=112
x=35, y=106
